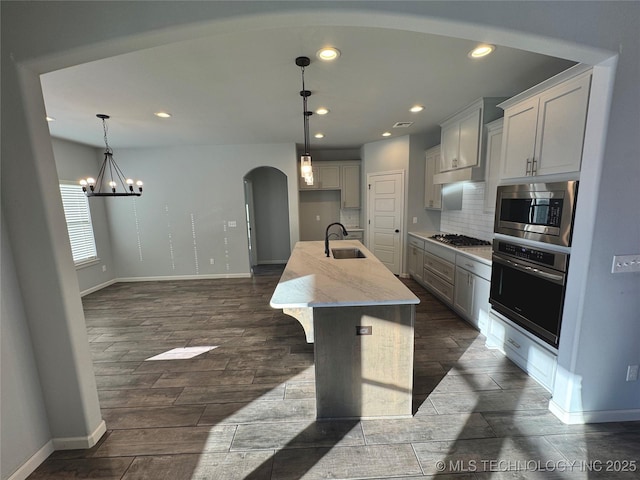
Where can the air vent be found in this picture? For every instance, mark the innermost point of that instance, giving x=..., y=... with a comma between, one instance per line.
x=402, y=124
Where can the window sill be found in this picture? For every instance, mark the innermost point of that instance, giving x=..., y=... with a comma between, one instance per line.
x=87, y=263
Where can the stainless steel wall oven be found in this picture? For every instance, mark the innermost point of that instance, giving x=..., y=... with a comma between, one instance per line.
x=528, y=287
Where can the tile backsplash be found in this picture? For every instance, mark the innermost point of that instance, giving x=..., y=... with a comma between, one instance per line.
x=471, y=220
x=350, y=217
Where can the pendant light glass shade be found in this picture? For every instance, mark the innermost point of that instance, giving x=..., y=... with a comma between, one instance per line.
x=306, y=170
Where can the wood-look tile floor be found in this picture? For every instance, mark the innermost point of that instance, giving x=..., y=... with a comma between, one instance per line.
x=246, y=409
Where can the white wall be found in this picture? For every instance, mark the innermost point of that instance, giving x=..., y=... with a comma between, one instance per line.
x=24, y=428
x=182, y=219
x=593, y=364
x=73, y=162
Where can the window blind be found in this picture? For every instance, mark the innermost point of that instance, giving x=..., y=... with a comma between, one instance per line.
x=78, y=216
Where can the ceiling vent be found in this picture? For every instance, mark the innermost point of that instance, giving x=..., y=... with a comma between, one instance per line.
x=402, y=124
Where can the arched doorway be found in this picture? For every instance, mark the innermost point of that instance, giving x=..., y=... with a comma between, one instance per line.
x=267, y=214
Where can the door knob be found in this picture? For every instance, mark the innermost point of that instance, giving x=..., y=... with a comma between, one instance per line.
x=397, y=231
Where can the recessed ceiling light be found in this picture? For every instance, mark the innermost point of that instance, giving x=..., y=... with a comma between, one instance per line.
x=416, y=108
x=386, y=134
x=319, y=135
x=481, y=51
x=162, y=114
x=328, y=53
x=50, y=119
x=322, y=111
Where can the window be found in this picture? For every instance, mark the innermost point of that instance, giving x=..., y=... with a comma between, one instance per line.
x=78, y=215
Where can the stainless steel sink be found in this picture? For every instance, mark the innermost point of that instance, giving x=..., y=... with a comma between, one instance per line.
x=352, y=252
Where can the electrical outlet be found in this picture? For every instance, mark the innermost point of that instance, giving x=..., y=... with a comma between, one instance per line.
x=626, y=263
x=317, y=218
x=104, y=268
x=632, y=373
x=364, y=330
x=415, y=219
x=212, y=261
x=231, y=223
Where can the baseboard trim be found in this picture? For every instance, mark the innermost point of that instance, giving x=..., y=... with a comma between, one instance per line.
x=80, y=443
x=272, y=262
x=597, y=416
x=28, y=467
x=97, y=287
x=211, y=276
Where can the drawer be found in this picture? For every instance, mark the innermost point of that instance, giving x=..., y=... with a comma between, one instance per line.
x=416, y=242
x=474, y=266
x=438, y=286
x=439, y=250
x=439, y=266
x=355, y=235
x=525, y=351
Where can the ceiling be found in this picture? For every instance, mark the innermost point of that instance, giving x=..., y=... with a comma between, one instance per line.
x=243, y=88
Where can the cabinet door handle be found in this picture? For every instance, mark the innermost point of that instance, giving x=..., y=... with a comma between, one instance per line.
x=528, y=168
x=513, y=342
x=534, y=166
x=468, y=265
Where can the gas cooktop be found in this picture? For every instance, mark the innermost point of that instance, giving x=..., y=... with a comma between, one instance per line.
x=460, y=240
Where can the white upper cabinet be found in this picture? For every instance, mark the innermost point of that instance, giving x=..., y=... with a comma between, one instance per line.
x=461, y=141
x=493, y=156
x=337, y=175
x=326, y=176
x=350, y=192
x=432, y=192
x=518, y=146
x=544, y=132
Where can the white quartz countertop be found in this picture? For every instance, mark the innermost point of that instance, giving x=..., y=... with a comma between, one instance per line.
x=482, y=253
x=312, y=279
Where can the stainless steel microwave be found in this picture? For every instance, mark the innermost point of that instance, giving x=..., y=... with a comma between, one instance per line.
x=542, y=212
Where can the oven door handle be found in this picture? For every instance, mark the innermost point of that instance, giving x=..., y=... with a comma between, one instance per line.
x=533, y=271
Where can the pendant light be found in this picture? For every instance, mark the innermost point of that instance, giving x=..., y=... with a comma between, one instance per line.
x=306, y=170
x=110, y=165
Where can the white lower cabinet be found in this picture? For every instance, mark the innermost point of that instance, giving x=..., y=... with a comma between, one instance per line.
x=356, y=235
x=416, y=262
x=463, y=297
x=539, y=361
x=472, y=285
x=460, y=281
x=439, y=271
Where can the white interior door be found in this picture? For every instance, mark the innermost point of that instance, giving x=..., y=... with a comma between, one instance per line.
x=386, y=211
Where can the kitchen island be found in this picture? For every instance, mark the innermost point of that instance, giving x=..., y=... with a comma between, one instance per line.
x=360, y=318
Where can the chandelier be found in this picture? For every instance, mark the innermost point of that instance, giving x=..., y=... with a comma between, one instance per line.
x=306, y=171
x=110, y=166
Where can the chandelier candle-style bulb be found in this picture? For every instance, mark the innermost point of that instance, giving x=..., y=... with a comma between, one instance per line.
x=116, y=177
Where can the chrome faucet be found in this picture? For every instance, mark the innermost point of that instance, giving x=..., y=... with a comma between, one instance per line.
x=326, y=235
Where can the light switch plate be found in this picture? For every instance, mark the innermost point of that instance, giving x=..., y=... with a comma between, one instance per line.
x=626, y=263
x=232, y=223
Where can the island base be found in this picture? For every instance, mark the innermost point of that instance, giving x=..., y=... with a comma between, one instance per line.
x=364, y=361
